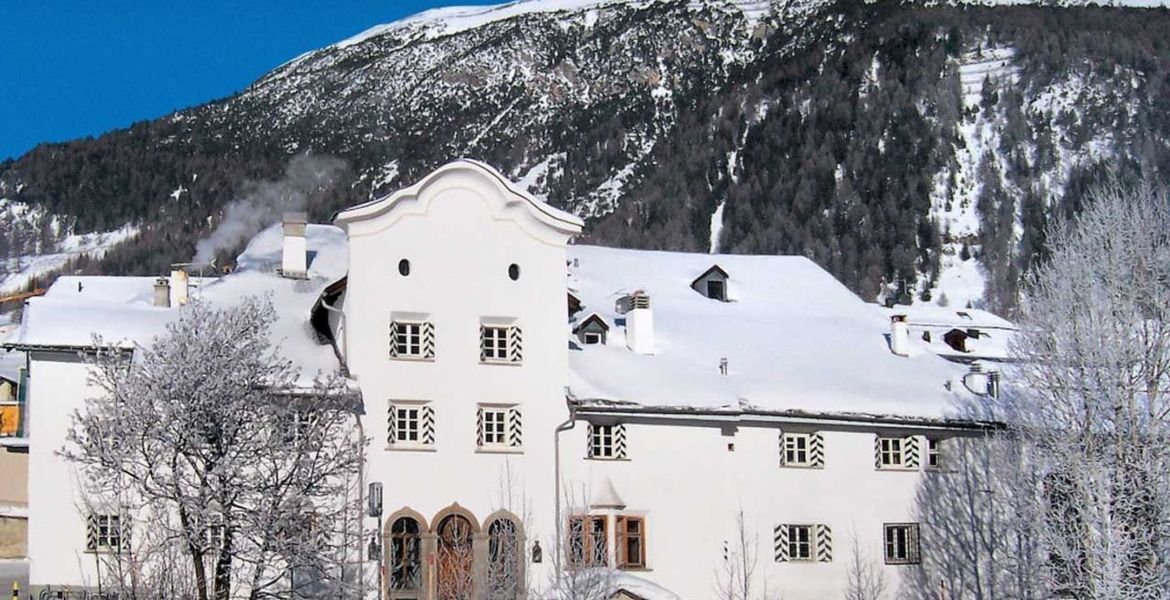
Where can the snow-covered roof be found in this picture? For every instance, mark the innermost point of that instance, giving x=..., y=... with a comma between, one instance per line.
x=121, y=309
x=995, y=333
x=795, y=339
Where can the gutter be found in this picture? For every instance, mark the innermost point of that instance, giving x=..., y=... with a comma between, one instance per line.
x=566, y=426
x=771, y=417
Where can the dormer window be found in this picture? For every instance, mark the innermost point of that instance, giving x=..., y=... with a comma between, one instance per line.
x=712, y=283
x=593, y=330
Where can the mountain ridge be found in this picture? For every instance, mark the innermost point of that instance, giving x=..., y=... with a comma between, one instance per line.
x=839, y=130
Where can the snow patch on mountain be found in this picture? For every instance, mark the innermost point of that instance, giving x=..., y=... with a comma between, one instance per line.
x=19, y=271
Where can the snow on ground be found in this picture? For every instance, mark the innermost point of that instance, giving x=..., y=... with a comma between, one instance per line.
x=795, y=339
x=23, y=269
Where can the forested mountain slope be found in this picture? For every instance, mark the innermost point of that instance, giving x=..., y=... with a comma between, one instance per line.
x=914, y=151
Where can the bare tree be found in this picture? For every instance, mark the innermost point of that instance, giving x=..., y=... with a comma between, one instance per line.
x=866, y=580
x=226, y=457
x=1092, y=396
x=736, y=577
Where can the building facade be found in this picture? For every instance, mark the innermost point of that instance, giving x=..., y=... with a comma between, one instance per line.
x=692, y=411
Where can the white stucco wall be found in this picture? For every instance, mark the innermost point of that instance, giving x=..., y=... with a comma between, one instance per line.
x=689, y=486
x=460, y=238
x=56, y=542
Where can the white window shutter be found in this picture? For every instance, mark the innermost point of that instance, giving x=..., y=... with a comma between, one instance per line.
x=910, y=452
x=783, y=450
x=780, y=542
x=589, y=441
x=816, y=450
x=124, y=533
x=428, y=339
x=515, y=437
x=877, y=451
x=393, y=339
x=515, y=344
x=824, y=543
x=619, y=441
x=392, y=425
x=427, y=424
x=482, y=343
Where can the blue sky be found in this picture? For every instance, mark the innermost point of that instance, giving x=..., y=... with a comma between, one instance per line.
x=74, y=68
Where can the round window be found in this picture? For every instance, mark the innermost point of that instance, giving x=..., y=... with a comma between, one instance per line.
x=404, y=267
x=514, y=271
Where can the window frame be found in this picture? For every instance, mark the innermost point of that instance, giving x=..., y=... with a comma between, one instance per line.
x=498, y=336
x=108, y=532
x=409, y=545
x=500, y=412
x=622, y=538
x=905, y=549
x=790, y=451
x=597, y=441
x=588, y=540
x=889, y=451
x=408, y=328
x=722, y=295
x=594, y=335
x=935, y=455
x=809, y=543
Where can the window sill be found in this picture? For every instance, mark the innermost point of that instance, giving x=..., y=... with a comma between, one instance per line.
x=501, y=363
x=499, y=450
x=804, y=467
x=417, y=359
x=607, y=459
x=898, y=469
x=636, y=569
x=902, y=563
x=410, y=448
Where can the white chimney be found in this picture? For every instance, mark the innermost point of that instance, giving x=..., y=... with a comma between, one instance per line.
x=294, y=263
x=179, y=287
x=162, y=292
x=899, y=335
x=640, y=324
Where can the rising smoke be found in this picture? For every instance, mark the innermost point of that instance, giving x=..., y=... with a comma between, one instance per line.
x=265, y=202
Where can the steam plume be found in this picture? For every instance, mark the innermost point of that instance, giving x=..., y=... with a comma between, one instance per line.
x=265, y=202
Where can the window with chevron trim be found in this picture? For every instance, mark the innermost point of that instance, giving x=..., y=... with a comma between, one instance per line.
x=500, y=341
x=606, y=442
x=801, y=542
x=412, y=337
x=411, y=425
x=802, y=450
x=499, y=427
x=895, y=453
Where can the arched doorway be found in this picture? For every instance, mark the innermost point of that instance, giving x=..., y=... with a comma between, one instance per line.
x=405, y=564
x=505, y=568
x=455, y=576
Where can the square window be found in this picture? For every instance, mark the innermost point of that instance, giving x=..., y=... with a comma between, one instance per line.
x=891, y=452
x=715, y=289
x=408, y=424
x=408, y=339
x=800, y=545
x=592, y=337
x=104, y=533
x=494, y=343
x=796, y=449
x=411, y=424
x=601, y=441
x=934, y=454
x=901, y=544
x=495, y=426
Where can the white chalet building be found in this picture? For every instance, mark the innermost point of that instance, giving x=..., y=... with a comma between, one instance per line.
x=637, y=405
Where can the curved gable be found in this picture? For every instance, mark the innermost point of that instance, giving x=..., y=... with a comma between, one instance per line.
x=474, y=180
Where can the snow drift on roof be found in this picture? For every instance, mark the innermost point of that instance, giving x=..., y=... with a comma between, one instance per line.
x=794, y=339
